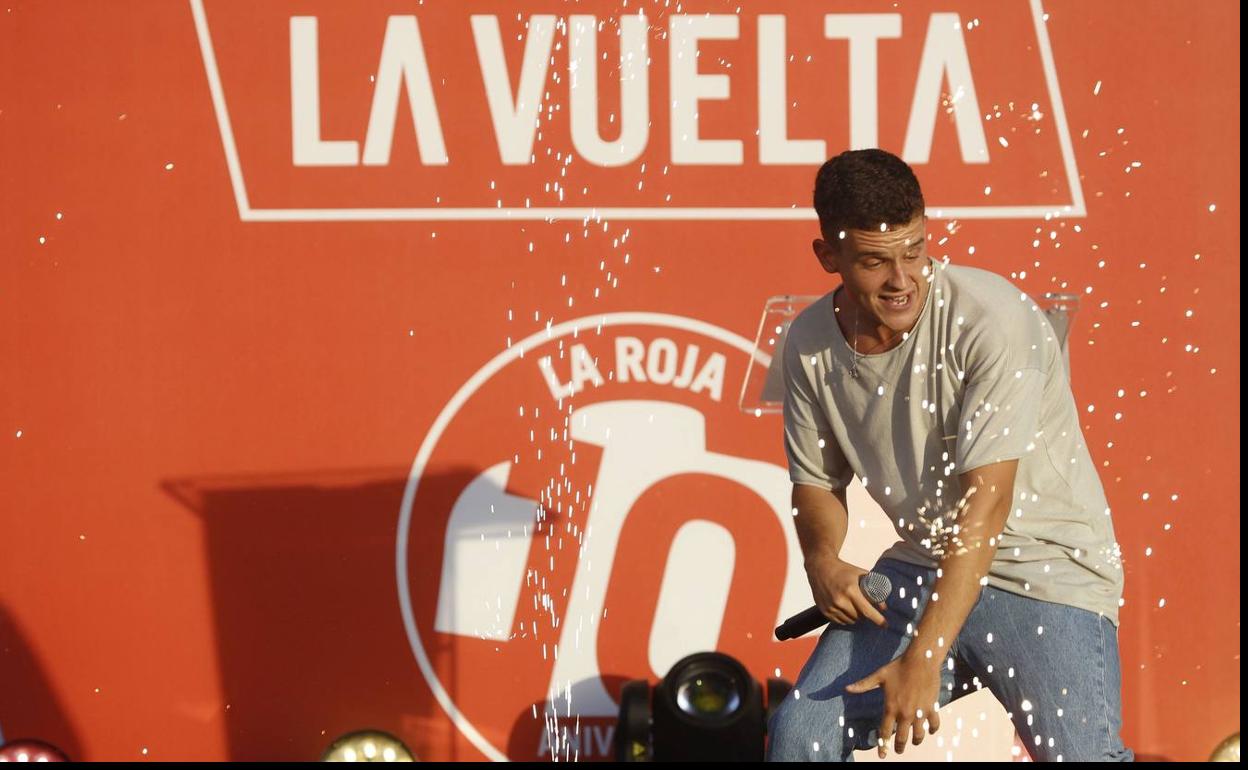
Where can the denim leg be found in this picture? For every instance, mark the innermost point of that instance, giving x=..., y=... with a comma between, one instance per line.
x=818, y=720
x=1056, y=670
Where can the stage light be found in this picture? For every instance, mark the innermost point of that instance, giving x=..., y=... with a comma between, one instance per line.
x=707, y=708
x=31, y=751
x=1227, y=750
x=367, y=746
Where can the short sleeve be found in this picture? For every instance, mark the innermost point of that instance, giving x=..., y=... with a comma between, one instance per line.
x=1001, y=405
x=814, y=456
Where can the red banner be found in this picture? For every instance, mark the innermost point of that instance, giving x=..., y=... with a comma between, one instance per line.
x=378, y=365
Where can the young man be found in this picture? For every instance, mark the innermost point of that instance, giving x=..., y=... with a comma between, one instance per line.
x=945, y=390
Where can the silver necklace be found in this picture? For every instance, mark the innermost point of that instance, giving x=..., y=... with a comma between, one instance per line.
x=853, y=348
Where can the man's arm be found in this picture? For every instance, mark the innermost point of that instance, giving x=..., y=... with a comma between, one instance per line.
x=969, y=548
x=912, y=682
x=822, y=520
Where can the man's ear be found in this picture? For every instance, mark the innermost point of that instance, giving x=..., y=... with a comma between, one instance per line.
x=826, y=253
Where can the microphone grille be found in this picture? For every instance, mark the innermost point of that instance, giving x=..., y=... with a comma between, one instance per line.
x=876, y=586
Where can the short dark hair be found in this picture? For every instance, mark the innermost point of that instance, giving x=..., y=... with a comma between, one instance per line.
x=859, y=189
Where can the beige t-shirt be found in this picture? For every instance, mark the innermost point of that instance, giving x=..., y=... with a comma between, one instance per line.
x=980, y=379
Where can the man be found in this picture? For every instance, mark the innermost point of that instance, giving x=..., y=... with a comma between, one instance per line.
x=944, y=390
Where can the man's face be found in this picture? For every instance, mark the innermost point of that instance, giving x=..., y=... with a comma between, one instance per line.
x=885, y=273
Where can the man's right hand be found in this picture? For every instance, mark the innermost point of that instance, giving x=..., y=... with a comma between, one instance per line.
x=834, y=584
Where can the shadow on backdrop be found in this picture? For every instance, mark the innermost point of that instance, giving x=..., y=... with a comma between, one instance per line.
x=29, y=707
x=310, y=638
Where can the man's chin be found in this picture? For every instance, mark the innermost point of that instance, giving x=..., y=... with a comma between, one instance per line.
x=898, y=321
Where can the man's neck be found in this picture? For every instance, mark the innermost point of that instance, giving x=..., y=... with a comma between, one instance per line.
x=868, y=336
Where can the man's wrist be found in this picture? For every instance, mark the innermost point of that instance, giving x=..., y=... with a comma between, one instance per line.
x=821, y=557
x=924, y=655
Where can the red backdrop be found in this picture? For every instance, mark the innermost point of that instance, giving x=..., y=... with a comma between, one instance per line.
x=218, y=431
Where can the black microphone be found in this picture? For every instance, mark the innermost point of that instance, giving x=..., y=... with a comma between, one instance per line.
x=875, y=586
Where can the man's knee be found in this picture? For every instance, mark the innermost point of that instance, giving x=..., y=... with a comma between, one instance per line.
x=1073, y=740
x=1077, y=750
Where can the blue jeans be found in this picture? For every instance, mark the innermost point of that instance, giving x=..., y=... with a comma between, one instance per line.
x=1062, y=687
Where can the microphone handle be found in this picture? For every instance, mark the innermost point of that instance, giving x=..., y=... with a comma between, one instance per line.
x=809, y=619
x=800, y=624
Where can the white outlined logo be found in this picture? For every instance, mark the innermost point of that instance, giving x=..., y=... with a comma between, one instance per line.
x=943, y=58
x=523, y=603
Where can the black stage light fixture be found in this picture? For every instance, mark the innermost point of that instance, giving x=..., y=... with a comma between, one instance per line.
x=28, y=750
x=1227, y=750
x=368, y=746
x=707, y=708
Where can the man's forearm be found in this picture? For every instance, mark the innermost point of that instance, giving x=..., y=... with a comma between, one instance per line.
x=968, y=556
x=953, y=596
x=821, y=522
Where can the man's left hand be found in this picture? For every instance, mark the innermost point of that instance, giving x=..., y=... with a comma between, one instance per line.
x=911, y=697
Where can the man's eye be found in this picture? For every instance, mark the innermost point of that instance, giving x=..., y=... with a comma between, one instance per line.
x=913, y=255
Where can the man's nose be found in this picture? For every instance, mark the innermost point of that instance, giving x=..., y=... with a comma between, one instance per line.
x=897, y=276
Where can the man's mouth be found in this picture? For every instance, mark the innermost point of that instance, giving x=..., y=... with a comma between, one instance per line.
x=897, y=301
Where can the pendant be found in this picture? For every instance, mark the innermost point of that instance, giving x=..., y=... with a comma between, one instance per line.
x=853, y=371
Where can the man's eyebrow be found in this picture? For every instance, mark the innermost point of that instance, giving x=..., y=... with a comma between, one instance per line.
x=873, y=252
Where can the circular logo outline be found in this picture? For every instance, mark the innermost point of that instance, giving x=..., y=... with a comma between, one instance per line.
x=440, y=424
